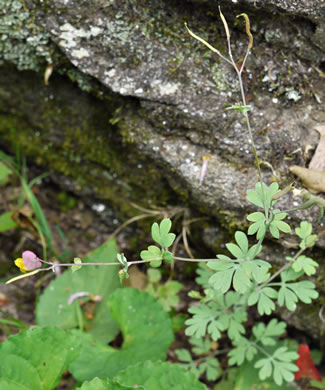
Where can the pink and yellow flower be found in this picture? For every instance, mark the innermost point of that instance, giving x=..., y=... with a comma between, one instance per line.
x=28, y=262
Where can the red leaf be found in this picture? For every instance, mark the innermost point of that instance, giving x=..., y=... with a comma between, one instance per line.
x=306, y=365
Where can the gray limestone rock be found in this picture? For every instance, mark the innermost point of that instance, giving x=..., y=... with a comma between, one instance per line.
x=156, y=97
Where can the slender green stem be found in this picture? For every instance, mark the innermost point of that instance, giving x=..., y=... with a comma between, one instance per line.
x=261, y=350
x=284, y=267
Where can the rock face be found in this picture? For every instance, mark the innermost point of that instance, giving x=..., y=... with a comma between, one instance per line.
x=150, y=100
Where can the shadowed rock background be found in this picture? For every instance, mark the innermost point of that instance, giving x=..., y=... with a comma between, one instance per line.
x=133, y=103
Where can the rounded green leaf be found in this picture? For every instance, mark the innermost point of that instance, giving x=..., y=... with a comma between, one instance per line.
x=104, y=384
x=37, y=358
x=159, y=376
x=147, y=333
x=53, y=307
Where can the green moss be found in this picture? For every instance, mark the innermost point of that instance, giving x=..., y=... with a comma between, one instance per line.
x=91, y=161
x=66, y=201
x=23, y=43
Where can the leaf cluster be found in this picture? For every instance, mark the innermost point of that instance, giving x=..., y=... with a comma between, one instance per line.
x=279, y=361
x=217, y=316
x=242, y=272
x=205, y=362
x=162, y=236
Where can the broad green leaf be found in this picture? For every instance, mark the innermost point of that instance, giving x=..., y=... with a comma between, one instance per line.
x=37, y=358
x=105, y=384
x=147, y=334
x=53, y=307
x=8, y=384
x=159, y=376
x=19, y=370
x=6, y=222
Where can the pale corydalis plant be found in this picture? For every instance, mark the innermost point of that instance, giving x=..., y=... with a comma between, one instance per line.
x=243, y=108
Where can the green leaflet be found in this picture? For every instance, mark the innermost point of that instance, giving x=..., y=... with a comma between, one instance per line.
x=264, y=299
x=262, y=196
x=290, y=293
x=161, y=234
x=280, y=366
x=247, y=379
x=241, y=272
x=216, y=317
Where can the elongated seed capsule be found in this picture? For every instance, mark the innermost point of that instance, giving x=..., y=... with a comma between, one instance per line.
x=285, y=190
x=204, y=168
x=47, y=73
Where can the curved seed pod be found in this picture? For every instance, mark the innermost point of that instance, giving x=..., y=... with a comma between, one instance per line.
x=248, y=30
x=47, y=73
